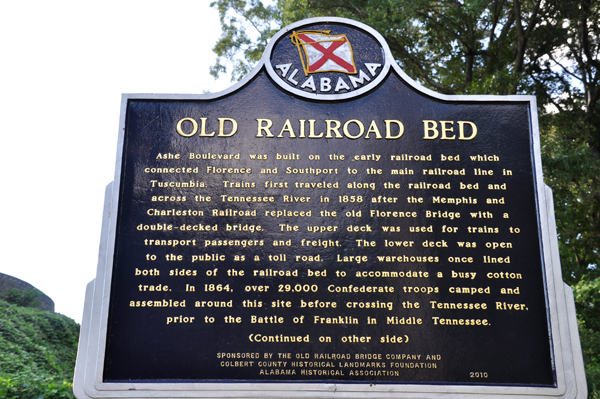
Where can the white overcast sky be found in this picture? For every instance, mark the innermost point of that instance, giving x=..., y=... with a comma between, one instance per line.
x=63, y=67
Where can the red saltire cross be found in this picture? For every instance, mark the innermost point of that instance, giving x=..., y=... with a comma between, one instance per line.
x=327, y=54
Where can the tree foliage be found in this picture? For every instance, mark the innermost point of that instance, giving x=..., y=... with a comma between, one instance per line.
x=237, y=18
x=587, y=301
x=37, y=353
x=549, y=48
x=25, y=297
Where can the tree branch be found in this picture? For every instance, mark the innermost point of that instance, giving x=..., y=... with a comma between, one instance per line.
x=400, y=49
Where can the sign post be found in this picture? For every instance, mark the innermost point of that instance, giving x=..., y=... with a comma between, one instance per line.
x=328, y=227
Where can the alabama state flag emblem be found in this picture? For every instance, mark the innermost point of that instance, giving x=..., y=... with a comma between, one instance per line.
x=321, y=52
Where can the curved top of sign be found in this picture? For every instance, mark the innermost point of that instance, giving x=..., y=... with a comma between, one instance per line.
x=327, y=58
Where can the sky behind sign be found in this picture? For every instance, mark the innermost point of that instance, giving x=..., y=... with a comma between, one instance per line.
x=64, y=67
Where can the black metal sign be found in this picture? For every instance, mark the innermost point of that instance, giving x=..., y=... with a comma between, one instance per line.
x=328, y=221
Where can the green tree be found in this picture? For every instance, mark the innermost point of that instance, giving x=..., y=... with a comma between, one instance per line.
x=548, y=48
x=237, y=45
x=451, y=46
x=566, y=78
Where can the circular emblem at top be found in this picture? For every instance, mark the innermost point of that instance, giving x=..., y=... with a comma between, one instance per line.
x=327, y=58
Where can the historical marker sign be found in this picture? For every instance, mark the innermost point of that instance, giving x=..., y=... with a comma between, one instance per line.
x=325, y=226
